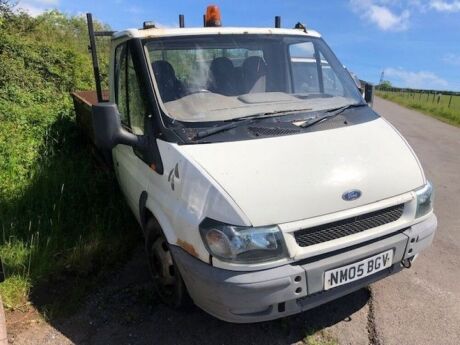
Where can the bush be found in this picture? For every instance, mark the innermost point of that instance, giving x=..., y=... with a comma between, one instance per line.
x=58, y=212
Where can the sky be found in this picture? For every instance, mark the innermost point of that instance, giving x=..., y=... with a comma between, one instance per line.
x=415, y=43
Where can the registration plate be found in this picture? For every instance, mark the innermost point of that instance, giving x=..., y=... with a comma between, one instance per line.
x=349, y=273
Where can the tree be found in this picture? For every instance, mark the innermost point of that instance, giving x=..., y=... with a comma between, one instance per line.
x=385, y=85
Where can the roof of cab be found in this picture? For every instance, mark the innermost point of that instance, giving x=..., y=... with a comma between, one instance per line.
x=168, y=32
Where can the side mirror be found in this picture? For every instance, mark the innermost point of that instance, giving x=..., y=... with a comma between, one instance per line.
x=356, y=80
x=108, y=131
x=369, y=94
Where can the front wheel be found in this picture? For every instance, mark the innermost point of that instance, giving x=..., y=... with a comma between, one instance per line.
x=166, y=277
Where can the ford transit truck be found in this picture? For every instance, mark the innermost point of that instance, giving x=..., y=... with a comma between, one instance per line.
x=264, y=183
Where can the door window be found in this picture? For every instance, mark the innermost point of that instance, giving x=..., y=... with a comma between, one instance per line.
x=128, y=96
x=311, y=71
x=121, y=92
x=136, y=105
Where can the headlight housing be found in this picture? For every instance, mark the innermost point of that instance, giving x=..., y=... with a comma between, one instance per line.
x=424, y=200
x=242, y=244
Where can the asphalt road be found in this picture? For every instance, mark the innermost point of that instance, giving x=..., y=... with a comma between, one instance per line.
x=416, y=306
x=422, y=305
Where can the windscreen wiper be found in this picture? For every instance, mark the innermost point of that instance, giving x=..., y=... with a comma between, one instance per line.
x=214, y=130
x=279, y=112
x=331, y=113
x=240, y=121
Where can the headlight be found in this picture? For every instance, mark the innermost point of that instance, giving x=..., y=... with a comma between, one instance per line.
x=242, y=244
x=424, y=200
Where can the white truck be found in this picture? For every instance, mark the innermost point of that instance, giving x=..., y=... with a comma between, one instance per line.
x=263, y=182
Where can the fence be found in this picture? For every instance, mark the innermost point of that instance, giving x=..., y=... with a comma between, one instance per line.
x=429, y=98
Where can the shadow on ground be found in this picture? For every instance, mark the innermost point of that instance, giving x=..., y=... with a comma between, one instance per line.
x=126, y=311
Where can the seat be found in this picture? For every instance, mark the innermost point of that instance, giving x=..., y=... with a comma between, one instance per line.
x=222, y=77
x=254, y=72
x=170, y=87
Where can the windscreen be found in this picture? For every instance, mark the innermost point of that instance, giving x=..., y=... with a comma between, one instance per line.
x=224, y=77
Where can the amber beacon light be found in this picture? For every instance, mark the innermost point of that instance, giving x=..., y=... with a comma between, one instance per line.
x=212, y=17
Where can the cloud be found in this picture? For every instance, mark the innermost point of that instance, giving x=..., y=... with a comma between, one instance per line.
x=416, y=80
x=36, y=7
x=451, y=59
x=445, y=6
x=381, y=15
x=395, y=15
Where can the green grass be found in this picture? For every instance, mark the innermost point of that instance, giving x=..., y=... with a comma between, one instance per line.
x=320, y=337
x=430, y=104
x=14, y=292
x=63, y=220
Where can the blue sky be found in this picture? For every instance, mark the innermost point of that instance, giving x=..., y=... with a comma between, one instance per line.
x=415, y=42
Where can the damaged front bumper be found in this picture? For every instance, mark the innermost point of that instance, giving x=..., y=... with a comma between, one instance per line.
x=269, y=294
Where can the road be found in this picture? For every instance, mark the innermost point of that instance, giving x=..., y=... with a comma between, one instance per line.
x=422, y=305
x=417, y=306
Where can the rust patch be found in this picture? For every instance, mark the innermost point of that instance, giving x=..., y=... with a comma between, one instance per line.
x=187, y=247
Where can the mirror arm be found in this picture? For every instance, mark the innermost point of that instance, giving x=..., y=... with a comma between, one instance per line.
x=126, y=138
x=108, y=132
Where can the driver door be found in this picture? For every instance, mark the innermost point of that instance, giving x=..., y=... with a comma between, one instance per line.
x=132, y=172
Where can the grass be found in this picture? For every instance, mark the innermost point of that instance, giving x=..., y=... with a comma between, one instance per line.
x=63, y=221
x=14, y=292
x=439, y=106
x=320, y=337
x=70, y=220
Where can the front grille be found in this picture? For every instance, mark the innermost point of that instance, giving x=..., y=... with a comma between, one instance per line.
x=331, y=231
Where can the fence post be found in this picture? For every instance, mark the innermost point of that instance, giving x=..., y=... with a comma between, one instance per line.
x=450, y=101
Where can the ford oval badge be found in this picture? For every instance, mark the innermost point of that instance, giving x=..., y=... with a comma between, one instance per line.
x=351, y=195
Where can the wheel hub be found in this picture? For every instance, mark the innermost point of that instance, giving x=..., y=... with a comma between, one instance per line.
x=162, y=262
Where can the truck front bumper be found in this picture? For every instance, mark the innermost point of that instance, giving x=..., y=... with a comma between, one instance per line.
x=243, y=297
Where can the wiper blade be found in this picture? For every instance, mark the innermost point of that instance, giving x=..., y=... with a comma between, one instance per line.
x=214, y=130
x=279, y=112
x=239, y=121
x=331, y=113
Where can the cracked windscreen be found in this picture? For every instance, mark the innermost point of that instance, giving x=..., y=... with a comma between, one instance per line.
x=225, y=77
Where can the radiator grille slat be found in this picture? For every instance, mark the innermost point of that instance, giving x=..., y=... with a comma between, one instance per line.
x=331, y=231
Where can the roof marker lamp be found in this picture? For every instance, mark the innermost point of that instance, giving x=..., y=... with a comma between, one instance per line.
x=212, y=17
x=242, y=244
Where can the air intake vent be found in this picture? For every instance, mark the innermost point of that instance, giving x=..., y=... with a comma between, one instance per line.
x=346, y=227
x=272, y=131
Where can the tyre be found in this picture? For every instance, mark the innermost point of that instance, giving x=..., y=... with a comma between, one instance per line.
x=167, y=279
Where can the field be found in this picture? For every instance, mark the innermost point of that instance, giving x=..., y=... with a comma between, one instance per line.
x=63, y=220
x=445, y=107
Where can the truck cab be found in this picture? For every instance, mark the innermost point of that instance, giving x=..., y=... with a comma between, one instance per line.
x=264, y=184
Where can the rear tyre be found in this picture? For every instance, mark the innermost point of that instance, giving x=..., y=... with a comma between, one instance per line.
x=166, y=277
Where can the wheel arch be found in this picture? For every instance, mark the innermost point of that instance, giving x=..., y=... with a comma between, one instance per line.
x=147, y=211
